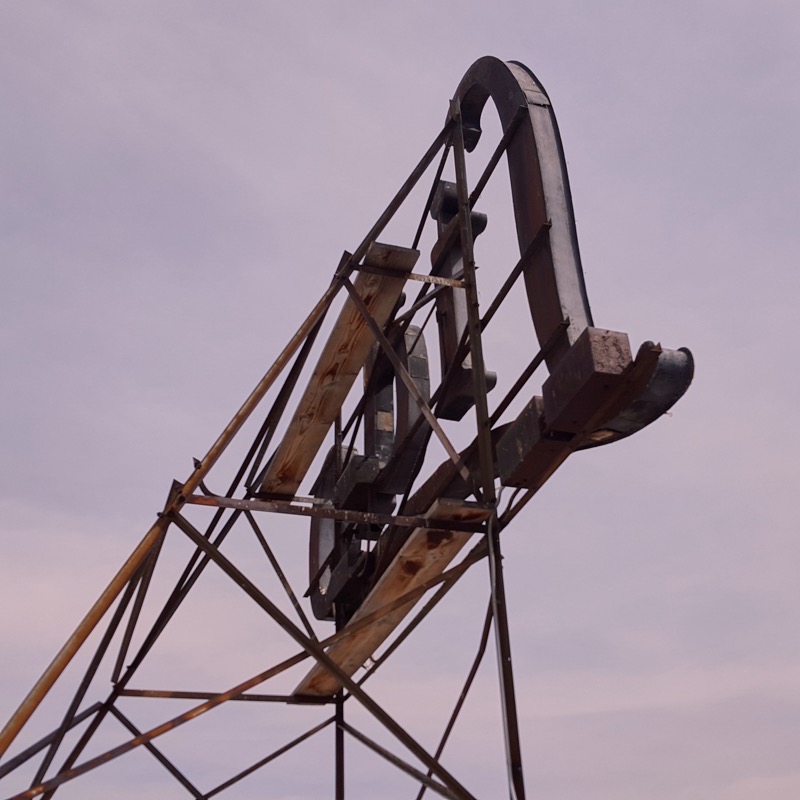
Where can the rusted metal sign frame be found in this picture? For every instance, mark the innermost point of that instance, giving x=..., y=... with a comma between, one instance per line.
x=550, y=265
x=143, y=551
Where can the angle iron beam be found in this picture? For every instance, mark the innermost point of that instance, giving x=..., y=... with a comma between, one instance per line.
x=437, y=280
x=30, y=752
x=68, y=773
x=168, y=694
x=505, y=667
x=402, y=373
x=404, y=766
x=79, y=636
x=342, y=514
x=343, y=355
x=424, y=555
x=88, y=676
x=403, y=192
x=284, y=581
x=473, y=671
x=271, y=757
x=144, y=583
x=158, y=755
x=316, y=650
x=110, y=593
x=486, y=458
x=436, y=178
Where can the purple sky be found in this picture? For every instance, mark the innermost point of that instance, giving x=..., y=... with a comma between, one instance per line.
x=177, y=183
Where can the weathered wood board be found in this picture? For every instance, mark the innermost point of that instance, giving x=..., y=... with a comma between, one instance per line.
x=425, y=554
x=342, y=358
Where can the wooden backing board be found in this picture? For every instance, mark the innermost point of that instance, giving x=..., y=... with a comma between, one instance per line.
x=342, y=358
x=425, y=554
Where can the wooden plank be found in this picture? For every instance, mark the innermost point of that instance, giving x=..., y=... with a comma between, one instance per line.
x=590, y=372
x=425, y=554
x=342, y=358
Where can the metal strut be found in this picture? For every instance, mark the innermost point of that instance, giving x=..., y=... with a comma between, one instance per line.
x=385, y=529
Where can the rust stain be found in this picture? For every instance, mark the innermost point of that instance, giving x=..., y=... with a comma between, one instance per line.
x=411, y=567
x=437, y=538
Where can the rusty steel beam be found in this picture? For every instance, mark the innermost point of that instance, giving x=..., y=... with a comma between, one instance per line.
x=284, y=581
x=157, y=754
x=79, y=636
x=455, y=283
x=66, y=775
x=137, y=557
x=169, y=694
x=424, y=779
x=473, y=671
x=36, y=747
x=414, y=391
x=328, y=512
x=266, y=760
x=317, y=650
x=596, y=393
x=487, y=464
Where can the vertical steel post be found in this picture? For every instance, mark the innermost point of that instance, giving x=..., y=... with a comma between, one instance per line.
x=502, y=638
x=340, y=622
x=339, y=734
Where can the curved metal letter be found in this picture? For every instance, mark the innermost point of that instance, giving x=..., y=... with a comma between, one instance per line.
x=540, y=191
